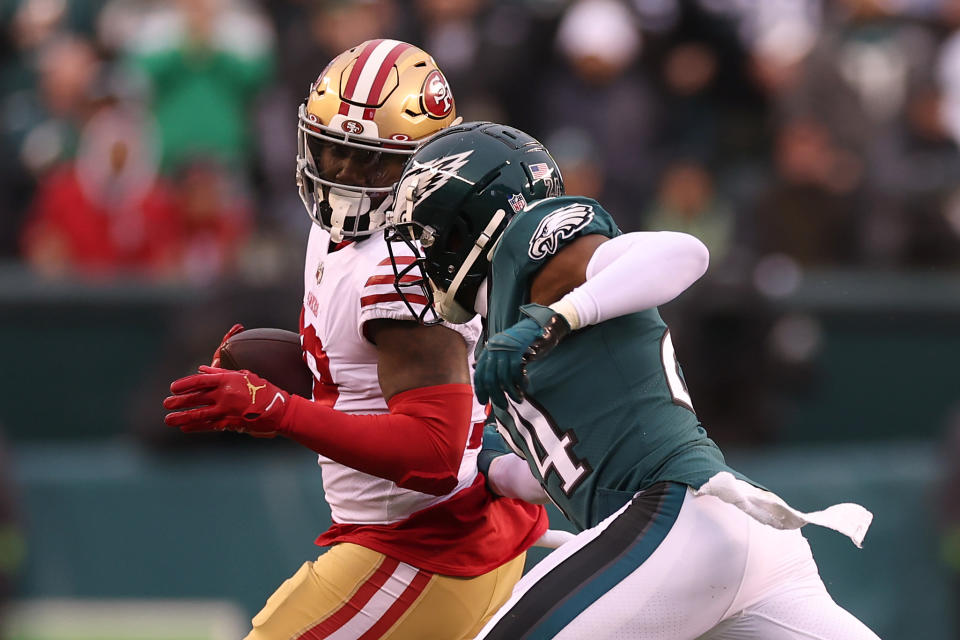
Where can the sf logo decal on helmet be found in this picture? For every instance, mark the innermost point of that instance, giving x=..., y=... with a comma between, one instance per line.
x=437, y=98
x=362, y=119
x=562, y=224
x=352, y=126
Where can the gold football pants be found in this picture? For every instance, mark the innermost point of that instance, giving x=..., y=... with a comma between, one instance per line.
x=353, y=593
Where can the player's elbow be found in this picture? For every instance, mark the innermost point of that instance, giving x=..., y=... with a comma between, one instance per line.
x=435, y=472
x=700, y=256
x=421, y=468
x=436, y=422
x=693, y=258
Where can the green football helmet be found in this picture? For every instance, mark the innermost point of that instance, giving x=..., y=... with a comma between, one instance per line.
x=457, y=194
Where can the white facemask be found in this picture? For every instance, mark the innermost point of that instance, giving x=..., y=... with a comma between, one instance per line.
x=347, y=204
x=344, y=204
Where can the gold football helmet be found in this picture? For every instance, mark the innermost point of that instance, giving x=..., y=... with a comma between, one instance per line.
x=363, y=118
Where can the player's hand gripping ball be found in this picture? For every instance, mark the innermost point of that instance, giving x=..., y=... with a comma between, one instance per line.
x=234, y=330
x=274, y=354
x=219, y=399
x=501, y=367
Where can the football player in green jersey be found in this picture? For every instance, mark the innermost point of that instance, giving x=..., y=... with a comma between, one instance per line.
x=587, y=392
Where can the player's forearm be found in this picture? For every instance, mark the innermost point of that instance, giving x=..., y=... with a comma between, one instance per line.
x=418, y=445
x=509, y=476
x=633, y=272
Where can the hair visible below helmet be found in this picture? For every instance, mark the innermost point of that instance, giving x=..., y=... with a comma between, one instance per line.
x=370, y=106
x=455, y=198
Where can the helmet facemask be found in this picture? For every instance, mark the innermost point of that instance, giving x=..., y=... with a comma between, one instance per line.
x=355, y=206
x=456, y=278
x=412, y=275
x=366, y=112
x=447, y=270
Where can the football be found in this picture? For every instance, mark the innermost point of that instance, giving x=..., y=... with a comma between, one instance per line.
x=274, y=354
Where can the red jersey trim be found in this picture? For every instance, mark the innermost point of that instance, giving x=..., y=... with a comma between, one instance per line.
x=375, y=280
x=469, y=534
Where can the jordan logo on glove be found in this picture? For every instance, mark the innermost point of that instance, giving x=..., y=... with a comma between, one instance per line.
x=253, y=390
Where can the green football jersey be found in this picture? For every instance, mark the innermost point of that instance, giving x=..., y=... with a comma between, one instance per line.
x=606, y=413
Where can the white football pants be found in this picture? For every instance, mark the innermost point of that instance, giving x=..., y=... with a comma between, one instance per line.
x=671, y=565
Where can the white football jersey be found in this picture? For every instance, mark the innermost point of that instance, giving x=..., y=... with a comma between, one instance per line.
x=343, y=290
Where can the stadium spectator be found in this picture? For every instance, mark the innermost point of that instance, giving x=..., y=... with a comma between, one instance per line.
x=809, y=211
x=106, y=212
x=205, y=61
x=47, y=77
x=66, y=69
x=109, y=213
x=215, y=219
x=598, y=87
x=687, y=201
x=578, y=157
x=484, y=48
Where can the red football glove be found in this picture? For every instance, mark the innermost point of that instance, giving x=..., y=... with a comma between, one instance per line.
x=217, y=399
x=234, y=330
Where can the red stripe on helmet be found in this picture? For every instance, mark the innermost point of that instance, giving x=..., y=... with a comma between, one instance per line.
x=358, y=69
x=384, y=72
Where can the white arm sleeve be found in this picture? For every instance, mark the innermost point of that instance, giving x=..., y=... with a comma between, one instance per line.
x=510, y=477
x=633, y=272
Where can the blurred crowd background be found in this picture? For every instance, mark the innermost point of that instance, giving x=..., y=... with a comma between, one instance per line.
x=147, y=202
x=155, y=138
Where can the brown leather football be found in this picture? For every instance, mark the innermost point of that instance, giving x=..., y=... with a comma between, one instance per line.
x=274, y=354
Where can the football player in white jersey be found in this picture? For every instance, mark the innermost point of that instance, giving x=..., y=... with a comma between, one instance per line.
x=420, y=549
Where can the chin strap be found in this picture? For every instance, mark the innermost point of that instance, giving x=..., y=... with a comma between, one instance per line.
x=446, y=299
x=342, y=208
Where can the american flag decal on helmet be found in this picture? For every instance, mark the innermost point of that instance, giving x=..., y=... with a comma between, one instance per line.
x=540, y=170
